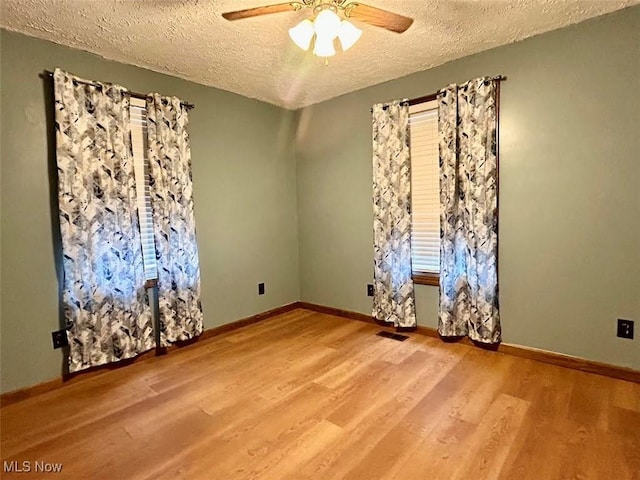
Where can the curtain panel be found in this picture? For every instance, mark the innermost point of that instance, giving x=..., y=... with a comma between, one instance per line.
x=467, y=122
x=105, y=303
x=393, y=299
x=171, y=188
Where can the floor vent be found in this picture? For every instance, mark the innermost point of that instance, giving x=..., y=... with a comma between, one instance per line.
x=392, y=336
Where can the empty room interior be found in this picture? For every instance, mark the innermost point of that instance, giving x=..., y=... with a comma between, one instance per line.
x=321, y=239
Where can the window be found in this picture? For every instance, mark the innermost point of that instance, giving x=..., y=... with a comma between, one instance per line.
x=138, y=113
x=425, y=192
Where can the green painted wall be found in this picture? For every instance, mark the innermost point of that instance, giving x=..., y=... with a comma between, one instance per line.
x=569, y=198
x=569, y=188
x=244, y=188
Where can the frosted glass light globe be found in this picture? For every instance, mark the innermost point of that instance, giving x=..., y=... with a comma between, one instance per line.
x=349, y=34
x=302, y=34
x=324, y=47
x=327, y=24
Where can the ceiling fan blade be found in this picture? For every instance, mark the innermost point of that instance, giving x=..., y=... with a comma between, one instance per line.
x=254, y=12
x=379, y=18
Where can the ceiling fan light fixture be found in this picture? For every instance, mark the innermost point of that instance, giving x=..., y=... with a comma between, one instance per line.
x=327, y=24
x=349, y=34
x=324, y=46
x=302, y=34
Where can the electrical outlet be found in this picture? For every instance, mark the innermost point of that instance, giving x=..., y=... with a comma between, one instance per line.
x=261, y=289
x=59, y=339
x=625, y=328
x=370, y=290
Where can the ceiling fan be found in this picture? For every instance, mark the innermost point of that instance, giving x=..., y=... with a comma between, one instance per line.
x=327, y=25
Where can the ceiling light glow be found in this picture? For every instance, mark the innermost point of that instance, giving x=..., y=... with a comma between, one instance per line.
x=325, y=28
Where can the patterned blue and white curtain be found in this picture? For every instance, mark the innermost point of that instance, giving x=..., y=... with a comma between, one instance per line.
x=393, y=299
x=467, y=121
x=171, y=188
x=105, y=303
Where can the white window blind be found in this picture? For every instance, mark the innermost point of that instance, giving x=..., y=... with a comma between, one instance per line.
x=425, y=187
x=138, y=113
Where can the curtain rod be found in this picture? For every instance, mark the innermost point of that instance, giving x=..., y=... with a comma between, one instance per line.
x=434, y=96
x=142, y=96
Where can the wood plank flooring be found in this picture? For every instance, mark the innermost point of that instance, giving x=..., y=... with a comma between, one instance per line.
x=306, y=396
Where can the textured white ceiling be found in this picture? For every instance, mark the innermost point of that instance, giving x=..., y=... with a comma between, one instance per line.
x=255, y=57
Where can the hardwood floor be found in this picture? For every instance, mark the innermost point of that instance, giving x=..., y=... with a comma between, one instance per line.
x=307, y=395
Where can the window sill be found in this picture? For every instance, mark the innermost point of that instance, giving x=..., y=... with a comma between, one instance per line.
x=426, y=278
